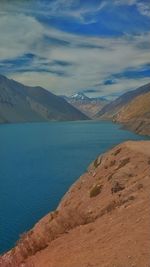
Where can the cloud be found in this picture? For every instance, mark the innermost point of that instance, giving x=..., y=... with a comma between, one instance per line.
x=74, y=68
x=126, y=2
x=96, y=17
x=55, y=41
x=79, y=10
x=19, y=34
x=64, y=63
x=90, y=46
x=90, y=90
x=76, y=9
x=7, y=65
x=134, y=73
x=31, y=63
x=142, y=6
x=110, y=82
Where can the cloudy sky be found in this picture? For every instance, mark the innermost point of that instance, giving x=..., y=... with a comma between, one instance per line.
x=100, y=47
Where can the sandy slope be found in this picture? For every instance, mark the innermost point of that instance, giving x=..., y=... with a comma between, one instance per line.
x=136, y=115
x=102, y=221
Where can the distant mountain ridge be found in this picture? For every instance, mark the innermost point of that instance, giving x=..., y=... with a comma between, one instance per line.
x=136, y=114
x=20, y=103
x=132, y=109
x=113, y=107
x=89, y=106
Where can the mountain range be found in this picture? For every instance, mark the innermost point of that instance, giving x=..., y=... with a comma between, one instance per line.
x=88, y=106
x=136, y=115
x=113, y=107
x=132, y=109
x=20, y=103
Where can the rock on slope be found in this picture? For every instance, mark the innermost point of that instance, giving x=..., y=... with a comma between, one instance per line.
x=102, y=221
x=136, y=115
x=20, y=103
x=89, y=106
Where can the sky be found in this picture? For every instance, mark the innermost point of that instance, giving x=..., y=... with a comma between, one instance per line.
x=99, y=47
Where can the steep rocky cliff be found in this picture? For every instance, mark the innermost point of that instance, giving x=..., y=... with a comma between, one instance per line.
x=102, y=221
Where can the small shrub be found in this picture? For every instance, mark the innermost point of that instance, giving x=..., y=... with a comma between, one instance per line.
x=96, y=190
x=111, y=207
x=130, y=175
x=131, y=198
x=110, y=177
x=97, y=162
x=116, y=188
x=117, y=152
x=140, y=186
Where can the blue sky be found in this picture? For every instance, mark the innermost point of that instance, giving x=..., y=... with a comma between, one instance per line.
x=100, y=47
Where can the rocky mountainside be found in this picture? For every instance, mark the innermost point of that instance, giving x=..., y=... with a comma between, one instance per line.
x=89, y=106
x=20, y=103
x=131, y=109
x=115, y=106
x=102, y=221
x=136, y=114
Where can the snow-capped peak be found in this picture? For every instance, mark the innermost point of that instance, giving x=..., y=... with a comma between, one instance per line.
x=79, y=96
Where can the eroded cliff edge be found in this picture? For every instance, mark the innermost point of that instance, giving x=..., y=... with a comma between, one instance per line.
x=102, y=221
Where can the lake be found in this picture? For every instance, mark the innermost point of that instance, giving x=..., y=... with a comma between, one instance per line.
x=38, y=163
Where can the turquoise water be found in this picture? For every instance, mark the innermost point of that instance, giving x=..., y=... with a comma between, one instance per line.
x=38, y=162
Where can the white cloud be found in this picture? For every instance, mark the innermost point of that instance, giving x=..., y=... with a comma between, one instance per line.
x=144, y=8
x=125, y=2
x=18, y=34
x=62, y=8
x=22, y=34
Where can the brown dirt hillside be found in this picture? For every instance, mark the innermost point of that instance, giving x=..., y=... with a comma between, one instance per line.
x=102, y=221
x=136, y=115
x=138, y=107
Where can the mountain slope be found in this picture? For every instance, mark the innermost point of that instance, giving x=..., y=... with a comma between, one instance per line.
x=136, y=114
x=102, y=221
x=89, y=106
x=113, y=108
x=20, y=103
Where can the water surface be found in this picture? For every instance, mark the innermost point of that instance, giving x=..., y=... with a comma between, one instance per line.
x=39, y=161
